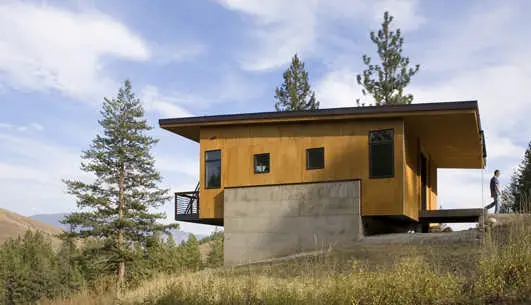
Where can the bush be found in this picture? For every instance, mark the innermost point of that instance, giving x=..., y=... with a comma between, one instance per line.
x=31, y=270
x=504, y=270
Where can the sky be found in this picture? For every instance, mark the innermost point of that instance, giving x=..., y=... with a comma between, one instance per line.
x=59, y=59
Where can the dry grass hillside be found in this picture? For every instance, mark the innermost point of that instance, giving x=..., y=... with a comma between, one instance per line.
x=461, y=268
x=13, y=225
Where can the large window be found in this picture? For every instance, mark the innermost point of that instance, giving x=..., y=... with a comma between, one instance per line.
x=261, y=163
x=213, y=169
x=381, y=153
x=315, y=158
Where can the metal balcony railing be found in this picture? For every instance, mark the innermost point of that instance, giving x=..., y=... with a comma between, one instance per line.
x=187, y=204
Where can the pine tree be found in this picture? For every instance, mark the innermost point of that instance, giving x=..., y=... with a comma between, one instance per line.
x=191, y=253
x=68, y=270
x=215, y=256
x=295, y=92
x=115, y=206
x=516, y=197
x=29, y=270
x=386, y=81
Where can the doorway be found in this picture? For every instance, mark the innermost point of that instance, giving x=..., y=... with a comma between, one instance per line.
x=423, y=182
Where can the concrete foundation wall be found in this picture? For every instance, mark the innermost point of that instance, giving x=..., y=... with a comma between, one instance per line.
x=264, y=222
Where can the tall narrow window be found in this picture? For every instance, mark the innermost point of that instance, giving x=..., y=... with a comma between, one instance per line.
x=315, y=158
x=213, y=169
x=261, y=163
x=381, y=153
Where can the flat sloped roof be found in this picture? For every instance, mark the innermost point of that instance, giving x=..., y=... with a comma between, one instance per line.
x=293, y=115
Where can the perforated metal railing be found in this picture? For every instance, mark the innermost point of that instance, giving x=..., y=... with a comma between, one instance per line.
x=187, y=203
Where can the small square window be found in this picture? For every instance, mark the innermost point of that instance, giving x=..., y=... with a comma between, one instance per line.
x=315, y=158
x=261, y=163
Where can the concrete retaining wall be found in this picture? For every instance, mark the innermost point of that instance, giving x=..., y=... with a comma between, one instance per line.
x=271, y=221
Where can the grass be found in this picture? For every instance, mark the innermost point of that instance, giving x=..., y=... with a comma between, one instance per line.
x=496, y=271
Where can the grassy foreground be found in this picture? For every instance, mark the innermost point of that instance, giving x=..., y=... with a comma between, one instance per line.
x=496, y=272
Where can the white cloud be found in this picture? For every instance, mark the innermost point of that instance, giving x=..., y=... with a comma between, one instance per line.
x=179, y=164
x=164, y=105
x=164, y=54
x=483, y=37
x=45, y=48
x=406, y=16
x=282, y=28
x=22, y=128
x=337, y=89
x=31, y=171
x=230, y=88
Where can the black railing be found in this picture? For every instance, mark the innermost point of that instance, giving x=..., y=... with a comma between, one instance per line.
x=187, y=204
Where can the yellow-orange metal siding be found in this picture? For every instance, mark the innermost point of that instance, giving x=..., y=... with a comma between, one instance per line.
x=346, y=146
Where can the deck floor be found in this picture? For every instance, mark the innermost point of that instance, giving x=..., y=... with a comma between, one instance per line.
x=452, y=215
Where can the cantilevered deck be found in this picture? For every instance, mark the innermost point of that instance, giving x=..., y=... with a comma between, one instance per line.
x=452, y=215
x=187, y=208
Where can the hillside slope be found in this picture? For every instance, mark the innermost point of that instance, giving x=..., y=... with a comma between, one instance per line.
x=55, y=218
x=13, y=225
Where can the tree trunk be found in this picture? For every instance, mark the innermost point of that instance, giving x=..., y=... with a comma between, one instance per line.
x=121, y=275
x=121, y=271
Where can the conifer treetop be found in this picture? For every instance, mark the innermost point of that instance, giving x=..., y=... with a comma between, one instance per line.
x=295, y=92
x=385, y=81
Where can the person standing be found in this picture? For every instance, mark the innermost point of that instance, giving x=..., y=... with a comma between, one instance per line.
x=495, y=191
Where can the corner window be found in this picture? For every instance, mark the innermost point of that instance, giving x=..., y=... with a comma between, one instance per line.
x=261, y=163
x=315, y=158
x=213, y=169
x=381, y=153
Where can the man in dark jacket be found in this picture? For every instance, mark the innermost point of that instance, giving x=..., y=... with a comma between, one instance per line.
x=495, y=191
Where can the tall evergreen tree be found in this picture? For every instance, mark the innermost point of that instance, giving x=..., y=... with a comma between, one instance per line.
x=115, y=206
x=295, y=92
x=516, y=196
x=386, y=81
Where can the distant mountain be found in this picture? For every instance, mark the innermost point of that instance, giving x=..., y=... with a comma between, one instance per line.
x=13, y=225
x=54, y=218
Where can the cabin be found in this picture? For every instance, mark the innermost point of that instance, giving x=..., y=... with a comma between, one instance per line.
x=284, y=182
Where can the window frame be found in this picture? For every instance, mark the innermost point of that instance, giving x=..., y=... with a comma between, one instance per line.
x=371, y=145
x=268, y=163
x=308, y=158
x=206, y=161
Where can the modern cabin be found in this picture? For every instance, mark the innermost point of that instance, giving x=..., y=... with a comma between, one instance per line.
x=281, y=182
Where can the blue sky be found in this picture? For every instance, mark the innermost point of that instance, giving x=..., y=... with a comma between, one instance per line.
x=58, y=59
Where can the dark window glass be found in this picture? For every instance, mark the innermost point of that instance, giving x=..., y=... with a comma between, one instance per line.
x=261, y=163
x=381, y=153
x=213, y=155
x=315, y=158
x=213, y=169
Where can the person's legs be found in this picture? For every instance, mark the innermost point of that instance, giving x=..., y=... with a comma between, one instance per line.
x=493, y=203
x=496, y=202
